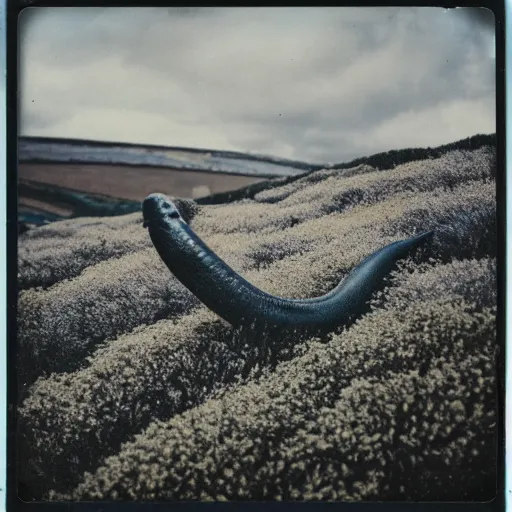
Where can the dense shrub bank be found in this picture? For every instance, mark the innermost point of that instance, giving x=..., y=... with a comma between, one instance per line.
x=145, y=394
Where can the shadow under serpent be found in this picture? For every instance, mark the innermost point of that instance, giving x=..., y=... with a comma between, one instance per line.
x=243, y=305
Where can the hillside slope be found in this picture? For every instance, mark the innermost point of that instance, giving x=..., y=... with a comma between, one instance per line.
x=131, y=389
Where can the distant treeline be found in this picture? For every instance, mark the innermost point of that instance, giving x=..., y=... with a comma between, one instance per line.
x=380, y=161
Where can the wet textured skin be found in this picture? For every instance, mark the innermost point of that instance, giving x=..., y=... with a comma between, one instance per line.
x=240, y=303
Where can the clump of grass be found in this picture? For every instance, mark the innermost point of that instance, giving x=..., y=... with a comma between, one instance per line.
x=337, y=193
x=473, y=280
x=466, y=229
x=338, y=242
x=276, y=194
x=63, y=249
x=328, y=425
x=267, y=253
x=70, y=227
x=43, y=264
x=340, y=193
x=153, y=373
x=58, y=327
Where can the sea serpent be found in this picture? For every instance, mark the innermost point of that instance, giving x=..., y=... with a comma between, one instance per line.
x=240, y=303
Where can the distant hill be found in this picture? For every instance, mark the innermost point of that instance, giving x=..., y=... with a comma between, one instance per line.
x=53, y=150
x=42, y=202
x=380, y=161
x=65, y=178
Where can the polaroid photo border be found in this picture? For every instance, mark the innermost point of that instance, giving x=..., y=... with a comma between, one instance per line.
x=509, y=315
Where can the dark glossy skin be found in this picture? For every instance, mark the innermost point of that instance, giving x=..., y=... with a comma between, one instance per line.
x=240, y=303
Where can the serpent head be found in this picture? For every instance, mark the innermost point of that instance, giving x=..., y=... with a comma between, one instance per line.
x=157, y=207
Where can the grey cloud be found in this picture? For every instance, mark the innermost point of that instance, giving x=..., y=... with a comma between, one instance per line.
x=333, y=74
x=40, y=119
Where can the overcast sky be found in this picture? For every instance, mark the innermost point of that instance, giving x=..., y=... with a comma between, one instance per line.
x=313, y=84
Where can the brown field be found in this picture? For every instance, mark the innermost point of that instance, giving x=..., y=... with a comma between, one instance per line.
x=133, y=390
x=127, y=182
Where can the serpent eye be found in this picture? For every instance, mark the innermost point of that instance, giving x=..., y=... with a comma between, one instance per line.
x=174, y=214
